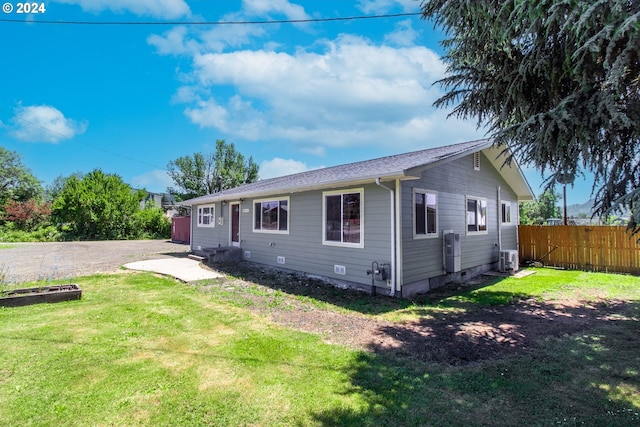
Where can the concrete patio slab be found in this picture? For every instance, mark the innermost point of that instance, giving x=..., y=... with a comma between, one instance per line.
x=185, y=269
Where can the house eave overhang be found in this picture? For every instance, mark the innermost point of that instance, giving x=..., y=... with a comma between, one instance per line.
x=511, y=173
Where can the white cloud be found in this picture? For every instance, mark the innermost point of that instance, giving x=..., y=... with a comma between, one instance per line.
x=220, y=37
x=333, y=94
x=385, y=6
x=278, y=7
x=208, y=113
x=404, y=34
x=168, y=9
x=156, y=181
x=280, y=167
x=43, y=123
x=352, y=93
x=173, y=42
x=179, y=40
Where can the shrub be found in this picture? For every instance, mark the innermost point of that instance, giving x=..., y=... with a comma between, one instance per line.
x=152, y=223
x=9, y=233
x=29, y=215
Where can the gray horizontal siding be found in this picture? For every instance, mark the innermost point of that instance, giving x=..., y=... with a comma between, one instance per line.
x=206, y=237
x=302, y=247
x=454, y=181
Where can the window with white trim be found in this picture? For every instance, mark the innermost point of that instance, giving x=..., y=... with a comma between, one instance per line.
x=476, y=215
x=271, y=216
x=342, y=214
x=505, y=212
x=425, y=213
x=206, y=216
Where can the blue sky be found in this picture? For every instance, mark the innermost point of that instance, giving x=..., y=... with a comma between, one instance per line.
x=129, y=98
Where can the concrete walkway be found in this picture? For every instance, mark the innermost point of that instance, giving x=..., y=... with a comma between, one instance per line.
x=185, y=269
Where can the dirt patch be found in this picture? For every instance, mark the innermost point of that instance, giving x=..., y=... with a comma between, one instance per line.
x=454, y=336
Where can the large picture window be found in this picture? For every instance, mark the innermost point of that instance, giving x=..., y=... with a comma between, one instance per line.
x=343, y=214
x=476, y=215
x=425, y=213
x=271, y=216
x=206, y=216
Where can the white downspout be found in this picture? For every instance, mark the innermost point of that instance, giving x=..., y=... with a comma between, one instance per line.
x=191, y=218
x=499, y=222
x=393, y=236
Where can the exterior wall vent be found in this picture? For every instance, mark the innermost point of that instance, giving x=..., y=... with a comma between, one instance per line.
x=340, y=269
x=476, y=161
x=247, y=254
x=281, y=260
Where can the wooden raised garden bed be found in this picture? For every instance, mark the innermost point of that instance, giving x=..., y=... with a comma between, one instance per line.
x=44, y=294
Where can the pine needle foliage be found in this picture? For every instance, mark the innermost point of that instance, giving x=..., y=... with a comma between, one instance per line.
x=555, y=81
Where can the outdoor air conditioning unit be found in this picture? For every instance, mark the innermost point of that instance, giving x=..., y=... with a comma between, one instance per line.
x=509, y=261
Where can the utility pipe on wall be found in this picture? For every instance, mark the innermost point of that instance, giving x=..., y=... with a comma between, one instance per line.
x=191, y=219
x=499, y=222
x=393, y=235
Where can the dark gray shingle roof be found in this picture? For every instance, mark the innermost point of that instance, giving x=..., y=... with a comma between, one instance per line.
x=383, y=167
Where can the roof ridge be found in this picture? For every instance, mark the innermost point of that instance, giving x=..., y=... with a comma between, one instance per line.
x=387, y=166
x=376, y=159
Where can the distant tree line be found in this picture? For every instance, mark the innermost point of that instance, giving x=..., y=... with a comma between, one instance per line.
x=537, y=212
x=101, y=206
x=92, y=206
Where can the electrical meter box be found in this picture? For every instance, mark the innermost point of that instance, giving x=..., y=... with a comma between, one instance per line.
x=452, y=252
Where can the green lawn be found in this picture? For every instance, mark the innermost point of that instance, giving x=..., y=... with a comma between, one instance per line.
x=549, y=284
x=140, y=350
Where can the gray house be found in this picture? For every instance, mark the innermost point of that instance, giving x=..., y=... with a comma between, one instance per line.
x=397, y=225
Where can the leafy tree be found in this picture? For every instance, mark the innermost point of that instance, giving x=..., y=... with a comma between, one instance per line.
x=97, y=206
x=556, y=81
x=53, y=190
x=16, y=181
x=202, y=174
x=536, y=212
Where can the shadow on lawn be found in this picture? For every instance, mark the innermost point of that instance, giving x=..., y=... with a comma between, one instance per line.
x=488, y=333
x=300, y=285
x=572, y=365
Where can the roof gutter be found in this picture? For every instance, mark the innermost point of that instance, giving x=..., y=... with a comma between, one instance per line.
x=393, y=235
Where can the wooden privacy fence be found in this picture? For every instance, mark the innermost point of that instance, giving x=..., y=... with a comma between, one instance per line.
x=592, y=248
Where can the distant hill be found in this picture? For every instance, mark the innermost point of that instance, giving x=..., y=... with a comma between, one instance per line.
x=581, y=210
x=585, y=210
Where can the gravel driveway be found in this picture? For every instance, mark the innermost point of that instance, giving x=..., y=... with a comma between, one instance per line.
x=31, y=261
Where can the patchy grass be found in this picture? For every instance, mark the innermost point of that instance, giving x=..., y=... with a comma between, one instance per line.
x=549, y=284
x=144, y=350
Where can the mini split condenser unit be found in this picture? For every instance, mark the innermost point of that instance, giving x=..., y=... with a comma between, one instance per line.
x=509, y=261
